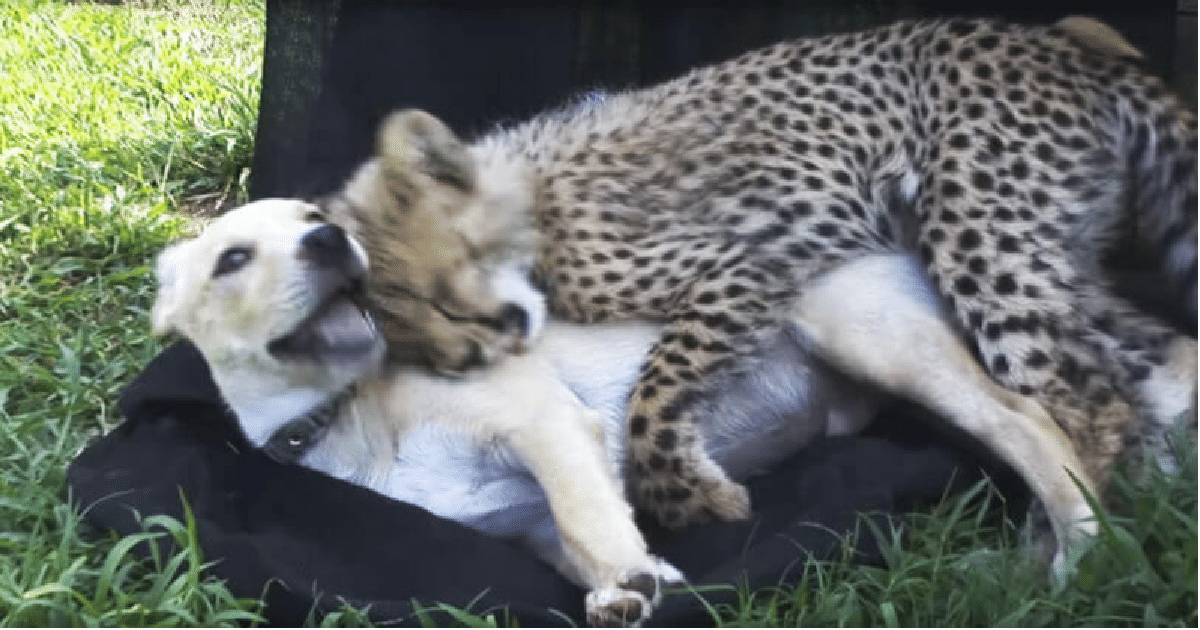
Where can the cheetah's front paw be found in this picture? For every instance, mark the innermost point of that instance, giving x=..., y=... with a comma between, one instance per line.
x=678, y=501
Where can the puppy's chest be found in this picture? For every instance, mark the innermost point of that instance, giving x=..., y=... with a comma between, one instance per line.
x=481, y=485
x=453, y=475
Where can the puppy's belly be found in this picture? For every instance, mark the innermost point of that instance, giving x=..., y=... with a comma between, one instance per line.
x=760, y=418
x=750, y=423
x=451, y=475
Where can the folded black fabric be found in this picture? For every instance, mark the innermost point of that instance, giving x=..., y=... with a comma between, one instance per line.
x=309, y=541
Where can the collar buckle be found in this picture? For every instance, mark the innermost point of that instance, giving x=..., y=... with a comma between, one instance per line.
x=297, y=437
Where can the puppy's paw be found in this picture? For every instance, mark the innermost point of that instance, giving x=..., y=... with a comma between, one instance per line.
x=668, y=575
x=1076, y=538
x=633, y=598
x=615, y=607
x=1059, y=547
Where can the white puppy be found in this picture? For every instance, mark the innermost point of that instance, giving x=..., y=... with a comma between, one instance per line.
x=532, y=448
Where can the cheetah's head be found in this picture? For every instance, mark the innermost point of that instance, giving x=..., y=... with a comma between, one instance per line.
x=450, y=254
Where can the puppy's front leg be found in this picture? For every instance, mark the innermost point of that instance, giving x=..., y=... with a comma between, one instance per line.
x=561, y=442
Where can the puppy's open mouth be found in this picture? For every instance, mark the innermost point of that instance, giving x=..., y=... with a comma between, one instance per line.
x=341, y=329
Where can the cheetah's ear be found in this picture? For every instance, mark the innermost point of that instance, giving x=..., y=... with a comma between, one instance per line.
x=413, y=140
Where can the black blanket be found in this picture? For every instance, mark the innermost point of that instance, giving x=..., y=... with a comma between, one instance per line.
x=318, y=541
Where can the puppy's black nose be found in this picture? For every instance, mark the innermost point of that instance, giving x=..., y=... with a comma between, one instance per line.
x=325, y=245
x=514, y=318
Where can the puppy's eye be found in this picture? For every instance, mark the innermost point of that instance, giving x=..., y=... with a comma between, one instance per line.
x=312, y=216
x=232, y=259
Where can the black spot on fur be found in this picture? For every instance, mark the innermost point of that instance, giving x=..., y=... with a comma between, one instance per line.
x=678, y=495
x=735, y=328
x=982, y=180
x=1000, y=364
x=969, y=239
x=828, y=230
x=951, y=189
x=965, y=286
x=674, y=358
x=715, y=320
x=1005, y=284
x=670, y=413
x=1037, y=359
x=735, y=291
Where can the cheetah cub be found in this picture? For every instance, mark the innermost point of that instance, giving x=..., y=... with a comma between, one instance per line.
x=1005, y=157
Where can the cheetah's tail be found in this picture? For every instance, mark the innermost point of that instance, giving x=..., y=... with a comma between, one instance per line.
x=1159, y=134
x=1161, y=148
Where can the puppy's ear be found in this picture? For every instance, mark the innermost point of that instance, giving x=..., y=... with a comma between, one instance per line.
x=412, y=140
x=169, y=271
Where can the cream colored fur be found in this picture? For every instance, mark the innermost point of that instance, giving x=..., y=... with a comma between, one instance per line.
x=875, y=319
x=520, y=410
x=887, y=331
x=906, y=347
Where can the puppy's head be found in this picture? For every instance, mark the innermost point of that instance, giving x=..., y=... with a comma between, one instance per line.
x=273, y=291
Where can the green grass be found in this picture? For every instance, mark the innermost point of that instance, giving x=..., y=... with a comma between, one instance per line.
x=960, y=566
x=112, y=119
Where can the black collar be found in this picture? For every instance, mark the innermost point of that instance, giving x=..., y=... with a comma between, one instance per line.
x=298, y=436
